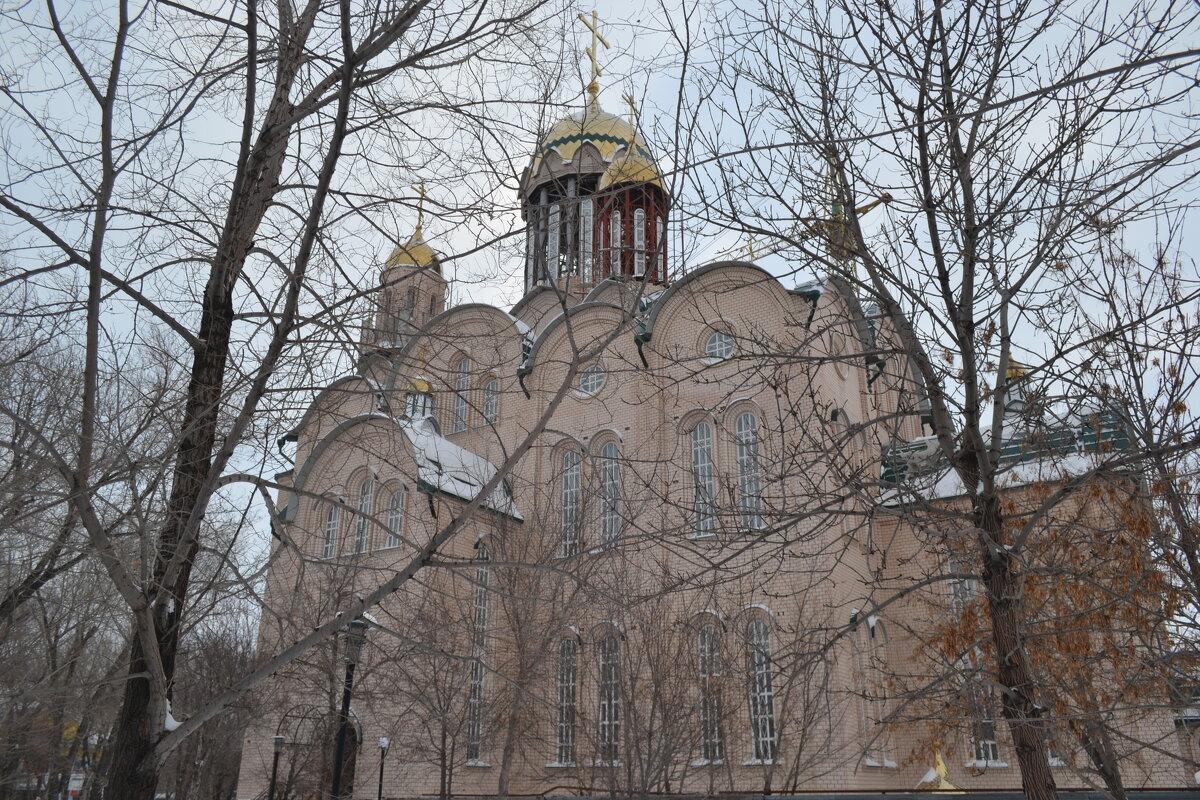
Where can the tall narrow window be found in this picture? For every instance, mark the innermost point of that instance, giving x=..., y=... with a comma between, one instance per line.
x=609, y=716
x=462, y=383
x=333, y=519
x=712, y=743
x=616, y=241
x=395, y=519
x=568, y=667
x=704, y=521
x=410, y=301
x=478, y=651
x=362, y=523
x=610, y=496
x=571, y=461
x=660, y=241
x=749, y=471
x=762, y=690
x=586, y=212
x=639, y=242
x=552, y=240
x=491, y=402
x=873, y=688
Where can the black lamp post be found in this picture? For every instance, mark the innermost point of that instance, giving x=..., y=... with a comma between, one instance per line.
x=275, y=767
x=383, y=748
x=354, y=642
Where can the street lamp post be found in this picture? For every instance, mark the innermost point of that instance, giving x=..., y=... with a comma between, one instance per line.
x=354, y=641
x=383, y=748
x=275, y=767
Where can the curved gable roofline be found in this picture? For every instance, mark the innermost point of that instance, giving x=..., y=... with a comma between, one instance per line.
x=380, y=400
x=534, y=293
x=601, y=287
x=527, y=367
x=293, y=504
x=691, y=277
x=424, y=331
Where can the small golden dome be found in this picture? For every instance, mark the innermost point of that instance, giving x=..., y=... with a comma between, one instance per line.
x=630, y=167
x=608, y=133
x=415, y=252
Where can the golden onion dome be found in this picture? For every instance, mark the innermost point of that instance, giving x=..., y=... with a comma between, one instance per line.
x=630, y=167
x=415, y=252
x=608, y=133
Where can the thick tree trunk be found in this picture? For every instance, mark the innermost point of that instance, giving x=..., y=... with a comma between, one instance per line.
x=1013, y=669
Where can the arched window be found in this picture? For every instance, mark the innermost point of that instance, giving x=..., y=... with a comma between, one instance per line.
x=873, y=689
x=571, y=467
x=410, y=301
x=395, y=519
x=362, y=523
x=552, y=240
x=568, y=668
x=712, y=742
x=749, y=471
x=333, y=524
x=616, y=241
x=639, y=242
x=704, y=521
x=586, y=212
x=491, y=402
x=762, y=690
x=478, y=652
x=462, y=383
x=609, y=711
x=610, y=496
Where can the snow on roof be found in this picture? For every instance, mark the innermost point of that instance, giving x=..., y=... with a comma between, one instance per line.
x=446, y=467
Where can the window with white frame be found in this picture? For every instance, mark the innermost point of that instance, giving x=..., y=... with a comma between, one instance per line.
x=719, y=346
x=570, y=496
x=395, y=518
x=462, y=383
x=333, y=520
x=963, y=586
x=610, y=496
x=586, y=221
x=660, y=241
x=749, y=471
x=362, y=522
x=639, y=242
x=491, y=402
x=591, y=379
x=565, y=717
x=616, y=241
x=872, y=689
x=552, y=240
x=704, y=521
x=478, y=652
x=418, y=405
x=762, y=691
x=712, y=741
x=609, y=695
x=981, y=708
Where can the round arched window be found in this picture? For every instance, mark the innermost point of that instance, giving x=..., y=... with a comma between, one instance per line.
x=591, y=379
x=719, y=346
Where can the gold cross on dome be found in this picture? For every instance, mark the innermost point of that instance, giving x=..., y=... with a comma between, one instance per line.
x=421, y=197
x=628, y=98
x=593, y=25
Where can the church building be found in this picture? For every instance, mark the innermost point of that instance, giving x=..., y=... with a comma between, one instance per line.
x=652, y=530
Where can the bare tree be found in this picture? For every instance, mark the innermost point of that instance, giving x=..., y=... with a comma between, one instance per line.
x=1014, y=140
